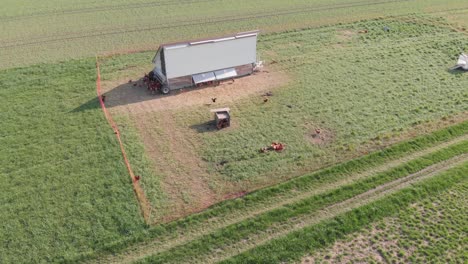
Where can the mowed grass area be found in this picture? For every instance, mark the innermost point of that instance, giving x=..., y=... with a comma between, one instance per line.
x=431, y=230
x=364, y=91
x=37, y=31
x=64, y=190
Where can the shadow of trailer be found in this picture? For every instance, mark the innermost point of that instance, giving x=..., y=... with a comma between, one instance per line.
x=204, y=62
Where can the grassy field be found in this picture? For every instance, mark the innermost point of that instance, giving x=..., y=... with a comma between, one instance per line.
x=66, y=196
x=290, y=247
x=64, y=190
x=366, y=92
x=52, y=30
x=390, y=162
x=229, y=229
x=431, y=230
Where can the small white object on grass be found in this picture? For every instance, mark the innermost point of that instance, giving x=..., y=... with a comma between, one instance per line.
x=462, y=61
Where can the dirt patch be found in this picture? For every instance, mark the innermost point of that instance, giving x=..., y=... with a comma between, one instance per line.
x=360, y=249
x=124, y=95
x=235, y=195
x=320, y=136
x=345, y=35
x=173, y=155
x=173, y=148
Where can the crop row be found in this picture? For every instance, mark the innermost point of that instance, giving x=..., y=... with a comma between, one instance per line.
x=297, y=244
x=184, y=23
x=77, y=33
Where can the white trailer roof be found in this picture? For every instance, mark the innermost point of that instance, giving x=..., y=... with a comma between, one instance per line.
x=189, y=58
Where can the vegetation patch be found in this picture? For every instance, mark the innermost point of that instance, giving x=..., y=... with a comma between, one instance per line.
x=430, y=230
x=64, y=189
x=294, y=245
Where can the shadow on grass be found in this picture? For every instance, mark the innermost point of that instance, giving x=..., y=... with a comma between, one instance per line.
x=458, y=71
x=209, y=126
x=130, y=93
x=89, y=105
x=123, y=94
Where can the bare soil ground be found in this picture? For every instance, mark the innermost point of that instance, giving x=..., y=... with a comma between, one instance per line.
x=345, y=35
x=362, y=248
x=171, y=147
x=320, y=136
x=133, y=96
x=172, y=153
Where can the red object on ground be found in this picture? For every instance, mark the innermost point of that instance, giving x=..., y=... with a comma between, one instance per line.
x=277, y=146
x=274, y=146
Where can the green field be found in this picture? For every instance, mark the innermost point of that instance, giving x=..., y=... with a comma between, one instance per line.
x=393, y=116
x=33, y=32
x=64, y=188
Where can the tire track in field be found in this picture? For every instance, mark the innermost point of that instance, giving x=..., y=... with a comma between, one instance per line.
x=413, y=42
x=191, y=233
x=198, y=22
x=176, y=23
x=281, y=229
x=102, y=9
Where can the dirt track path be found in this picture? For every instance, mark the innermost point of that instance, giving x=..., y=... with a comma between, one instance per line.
x=161, y=244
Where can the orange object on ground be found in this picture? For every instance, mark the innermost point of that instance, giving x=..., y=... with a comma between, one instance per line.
x=274, y=146
x=277, y=146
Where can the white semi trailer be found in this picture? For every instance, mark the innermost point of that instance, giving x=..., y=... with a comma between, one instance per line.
x=192, y=63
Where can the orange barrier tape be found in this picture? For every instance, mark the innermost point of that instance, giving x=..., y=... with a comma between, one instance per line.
x=145, y=205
